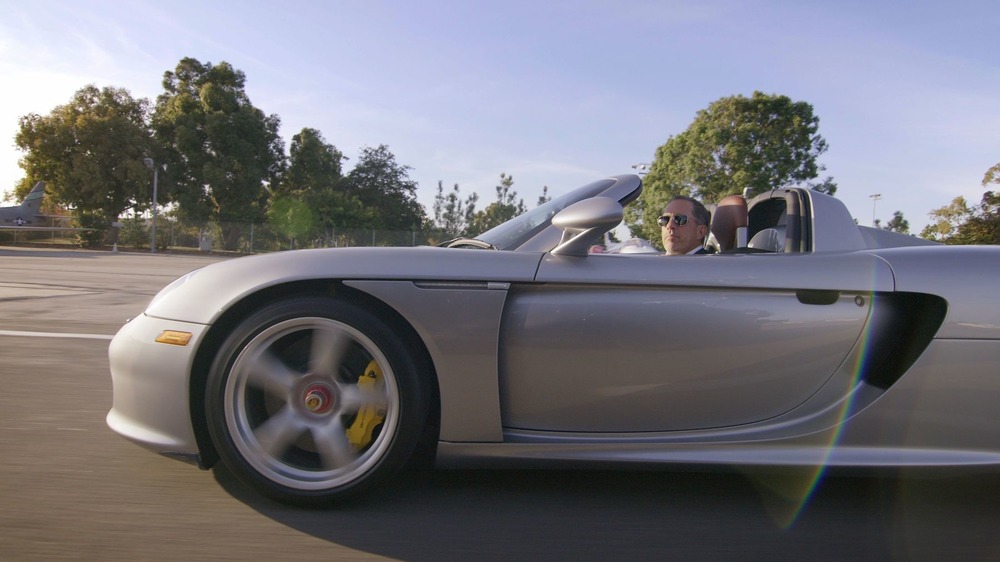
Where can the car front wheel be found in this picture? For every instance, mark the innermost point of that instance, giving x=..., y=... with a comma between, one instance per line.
x=313, y=399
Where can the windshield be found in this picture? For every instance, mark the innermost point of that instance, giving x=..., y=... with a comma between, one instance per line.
x=516, y=231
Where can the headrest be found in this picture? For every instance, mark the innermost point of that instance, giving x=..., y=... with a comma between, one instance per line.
x=729, y=214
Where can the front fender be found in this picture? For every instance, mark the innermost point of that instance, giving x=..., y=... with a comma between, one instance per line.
x=203, y=295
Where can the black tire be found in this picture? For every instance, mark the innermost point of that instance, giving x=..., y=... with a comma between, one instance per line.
x=312, y=400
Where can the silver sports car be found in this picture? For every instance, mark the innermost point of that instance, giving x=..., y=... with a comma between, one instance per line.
x=806, y=340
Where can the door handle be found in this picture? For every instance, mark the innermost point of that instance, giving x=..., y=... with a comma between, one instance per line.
x=813, y=296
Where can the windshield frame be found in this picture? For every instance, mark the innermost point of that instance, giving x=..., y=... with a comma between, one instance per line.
x=533, y=229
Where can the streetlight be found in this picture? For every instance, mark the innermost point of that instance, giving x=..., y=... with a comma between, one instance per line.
x=149, y=164
x=875, y=197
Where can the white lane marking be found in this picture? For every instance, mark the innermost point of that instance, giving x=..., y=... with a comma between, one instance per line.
x=55, y=335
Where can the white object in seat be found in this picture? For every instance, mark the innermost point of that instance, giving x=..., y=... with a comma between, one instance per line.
x=769, y=240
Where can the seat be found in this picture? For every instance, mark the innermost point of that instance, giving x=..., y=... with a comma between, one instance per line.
x=729, y=223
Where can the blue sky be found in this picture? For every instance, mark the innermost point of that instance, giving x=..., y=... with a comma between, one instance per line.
x=555, y=93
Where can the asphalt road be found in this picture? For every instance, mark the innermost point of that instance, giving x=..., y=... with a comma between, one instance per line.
x=72, y=489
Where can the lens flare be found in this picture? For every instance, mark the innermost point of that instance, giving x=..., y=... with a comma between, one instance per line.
x=787, y=492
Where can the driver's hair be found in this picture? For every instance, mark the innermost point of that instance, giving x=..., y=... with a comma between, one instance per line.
x=700, y=214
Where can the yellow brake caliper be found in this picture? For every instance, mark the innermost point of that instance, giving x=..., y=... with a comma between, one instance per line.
x=368, y=417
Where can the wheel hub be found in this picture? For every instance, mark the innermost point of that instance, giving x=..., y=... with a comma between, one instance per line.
x=318, y=398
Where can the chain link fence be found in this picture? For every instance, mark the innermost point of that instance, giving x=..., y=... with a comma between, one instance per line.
x=246, y=238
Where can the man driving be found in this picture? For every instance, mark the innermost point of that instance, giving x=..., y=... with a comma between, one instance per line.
x=684, y=226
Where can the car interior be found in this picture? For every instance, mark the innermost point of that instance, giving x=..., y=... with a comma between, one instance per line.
x=772, y=222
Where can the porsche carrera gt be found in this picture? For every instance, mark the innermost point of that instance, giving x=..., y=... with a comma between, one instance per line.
x=805, y=340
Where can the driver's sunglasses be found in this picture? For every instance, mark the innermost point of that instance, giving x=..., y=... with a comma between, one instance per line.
x=679, y=220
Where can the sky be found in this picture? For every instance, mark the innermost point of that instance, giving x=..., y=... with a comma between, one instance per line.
x=555, y=93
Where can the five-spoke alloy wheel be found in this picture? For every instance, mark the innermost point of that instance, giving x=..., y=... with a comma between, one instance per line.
x=313, y=399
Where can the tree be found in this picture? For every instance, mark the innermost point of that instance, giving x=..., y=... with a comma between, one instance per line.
x=291, y=217
x=452, y=216
x=506, y=207
x=22, y=188
x=898, y=223
x=314, y=181
x=313, y=164
x=960, y=224
x=992, y=175
x=544, y=197
x=983, y=227
x=945, y=221
x=757, y=143
x=384, y=186
x=90, y=153
x=221, y=150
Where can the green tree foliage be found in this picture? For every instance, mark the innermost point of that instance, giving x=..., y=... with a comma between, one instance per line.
x=992, y=175
x=544, y=197
x=452, y=215
x=314, y=164
x=760, y=143
x=385, y=191
x=506, y=207
x=945, y=221
x=21, y=189
x=983, y=227
x=133, y=234
x=898, y=224
x=337, y=209
x=221, y=151
x=291, y=217
x=314, y=179
x=960, y=224
x=90, y=153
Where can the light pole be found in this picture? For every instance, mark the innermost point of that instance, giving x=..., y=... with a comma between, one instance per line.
x=875, y=197
x=149, y=164
x=641, y=168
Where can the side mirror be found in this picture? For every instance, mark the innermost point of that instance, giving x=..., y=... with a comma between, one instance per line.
x=584, y=223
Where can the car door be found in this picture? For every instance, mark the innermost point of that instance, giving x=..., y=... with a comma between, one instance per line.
x=613, y=343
